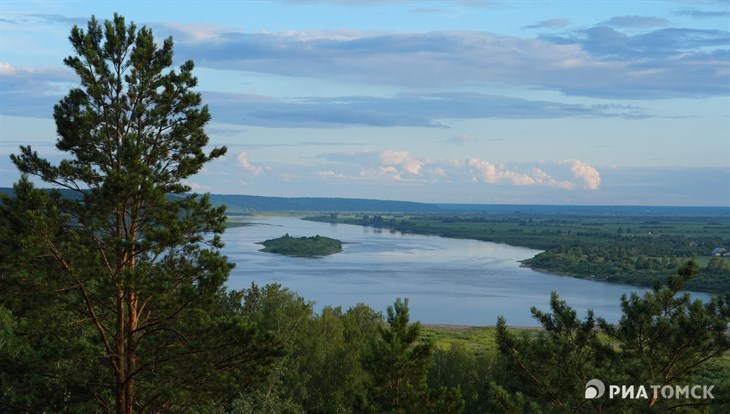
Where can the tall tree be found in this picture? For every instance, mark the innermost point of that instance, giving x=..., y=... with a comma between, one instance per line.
x=140, y=255
x=398, y=365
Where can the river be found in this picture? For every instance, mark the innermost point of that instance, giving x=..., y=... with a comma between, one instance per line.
x=447, y=281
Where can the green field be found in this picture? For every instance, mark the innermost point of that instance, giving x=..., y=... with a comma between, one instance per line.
x=480, y=339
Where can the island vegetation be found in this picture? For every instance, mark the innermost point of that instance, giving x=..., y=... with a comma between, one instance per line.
x=115, y=300
x=315, y=246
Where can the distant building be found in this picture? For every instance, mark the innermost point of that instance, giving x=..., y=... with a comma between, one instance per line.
x=720, y=251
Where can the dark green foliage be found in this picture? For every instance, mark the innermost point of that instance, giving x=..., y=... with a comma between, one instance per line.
x=322, y=371
x=718, y=264
x=665, y=337
x=662, y=339
x=552, y=365
x=398, y=366
x=462, y=368
x=131, y=264
x=50, y=360
x=303, y=246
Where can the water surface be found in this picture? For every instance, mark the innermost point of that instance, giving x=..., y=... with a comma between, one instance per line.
x=454, y=281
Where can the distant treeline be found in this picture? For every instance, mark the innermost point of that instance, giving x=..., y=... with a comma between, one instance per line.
x=249, y=204
x=239, y=203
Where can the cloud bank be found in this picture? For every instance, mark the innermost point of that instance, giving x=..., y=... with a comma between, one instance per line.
x=407, y=109
x=625, y=57
x=600, y=61
x=391, y=165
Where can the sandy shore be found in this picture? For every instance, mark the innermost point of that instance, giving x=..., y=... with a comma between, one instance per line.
x=461, y=328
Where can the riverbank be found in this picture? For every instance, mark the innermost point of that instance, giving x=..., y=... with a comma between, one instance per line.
x=629, y=250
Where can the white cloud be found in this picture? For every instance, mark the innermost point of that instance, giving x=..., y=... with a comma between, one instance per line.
x=590, y=176
x=392, y=165
x=490, y=173
x=412, y=167
x=543, y=178
x=6, y=69
x=390, y=172
x=246, y=165
x=389, y=157
x=398, y=162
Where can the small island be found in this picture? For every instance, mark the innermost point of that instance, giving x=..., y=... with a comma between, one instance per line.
x=303, y=246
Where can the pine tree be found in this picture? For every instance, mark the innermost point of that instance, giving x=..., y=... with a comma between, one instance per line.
x=666, y=337
x=663, y=338
x=398, y=365
x=136, y=256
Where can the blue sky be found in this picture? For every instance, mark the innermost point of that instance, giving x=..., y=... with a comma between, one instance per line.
x=556, y=102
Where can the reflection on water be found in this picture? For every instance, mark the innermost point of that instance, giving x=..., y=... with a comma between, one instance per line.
x=453, y=281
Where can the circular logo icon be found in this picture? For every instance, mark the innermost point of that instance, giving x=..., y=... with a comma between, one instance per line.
x=594, y=389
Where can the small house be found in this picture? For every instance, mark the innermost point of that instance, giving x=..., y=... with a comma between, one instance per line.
x=720, y=251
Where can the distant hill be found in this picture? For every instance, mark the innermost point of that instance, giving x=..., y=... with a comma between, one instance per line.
x=247, y=203
x=65, y=193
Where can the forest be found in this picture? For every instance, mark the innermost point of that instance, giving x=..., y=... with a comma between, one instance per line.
x=114, y=300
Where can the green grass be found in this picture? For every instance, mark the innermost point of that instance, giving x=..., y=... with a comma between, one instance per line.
x=479, y=339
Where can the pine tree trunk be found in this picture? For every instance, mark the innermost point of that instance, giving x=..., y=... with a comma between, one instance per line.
x=120, y=367
x=131, y=350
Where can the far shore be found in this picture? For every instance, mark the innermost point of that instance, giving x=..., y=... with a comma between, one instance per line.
x=461, y=328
